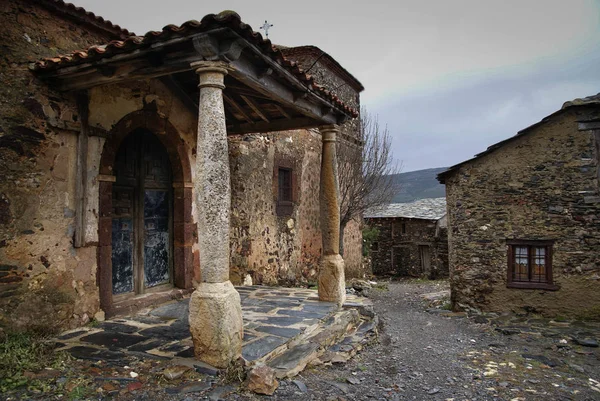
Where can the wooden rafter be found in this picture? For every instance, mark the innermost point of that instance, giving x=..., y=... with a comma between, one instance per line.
x=238, y=108
x=254, y=107
x=282, y=111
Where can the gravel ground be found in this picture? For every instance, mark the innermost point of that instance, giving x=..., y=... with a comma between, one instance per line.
x=425, y=356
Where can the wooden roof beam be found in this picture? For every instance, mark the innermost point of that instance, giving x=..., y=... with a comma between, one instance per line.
x=255, y=107
x=238, y=108
x=282, y=111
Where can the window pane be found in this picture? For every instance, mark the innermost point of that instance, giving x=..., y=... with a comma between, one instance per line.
x=521, y=270
x=538, y=274
x=285, y=185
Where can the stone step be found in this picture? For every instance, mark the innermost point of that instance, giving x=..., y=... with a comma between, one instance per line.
x=343, y=334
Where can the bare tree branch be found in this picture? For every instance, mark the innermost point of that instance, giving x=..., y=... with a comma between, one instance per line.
x=365, y=174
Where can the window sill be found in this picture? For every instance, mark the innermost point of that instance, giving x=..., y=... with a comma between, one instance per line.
x=533, y=286
x=284, y=209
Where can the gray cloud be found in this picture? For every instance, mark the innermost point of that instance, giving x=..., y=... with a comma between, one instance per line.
x=448, y=77
x=443, y=127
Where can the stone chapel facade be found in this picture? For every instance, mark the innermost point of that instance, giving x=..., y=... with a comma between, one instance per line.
x=125, y=158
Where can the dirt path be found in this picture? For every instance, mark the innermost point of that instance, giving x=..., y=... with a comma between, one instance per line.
x=425, y=356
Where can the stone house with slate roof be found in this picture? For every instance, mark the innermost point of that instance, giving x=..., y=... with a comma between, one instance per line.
x=524, y=219
x=412, y=238
x=136, y=169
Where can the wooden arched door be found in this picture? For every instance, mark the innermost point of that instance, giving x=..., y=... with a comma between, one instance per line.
x=141, y=216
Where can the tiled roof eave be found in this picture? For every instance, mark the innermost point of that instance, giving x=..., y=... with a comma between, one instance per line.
x=211, y=22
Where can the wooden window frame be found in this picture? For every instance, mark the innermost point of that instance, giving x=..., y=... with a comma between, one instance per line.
x=284, y=207
x=530, y=244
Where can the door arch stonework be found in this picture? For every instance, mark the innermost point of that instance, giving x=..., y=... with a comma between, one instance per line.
x=184, y=229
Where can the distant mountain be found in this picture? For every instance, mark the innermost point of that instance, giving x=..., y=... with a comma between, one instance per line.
x=420, y=184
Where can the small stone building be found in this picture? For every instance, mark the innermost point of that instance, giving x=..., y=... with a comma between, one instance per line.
x=136, y=169
x=412, y=238
x=524, y=219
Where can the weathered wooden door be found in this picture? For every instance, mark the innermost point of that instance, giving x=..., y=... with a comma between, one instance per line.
x=425, y=254
x=141, y=225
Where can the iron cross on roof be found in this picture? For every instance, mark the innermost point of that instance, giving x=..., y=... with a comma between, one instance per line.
x=266, y=26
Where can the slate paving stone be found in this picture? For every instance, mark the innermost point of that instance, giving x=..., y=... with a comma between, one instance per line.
x=365, y=327
x=194, y=387
x=173, y=348
x=246, y=288
x=113, y=340
x=248, y=337
x=186, y=353
x=220, y=393
x=279, y=331
x=72, y=335
x=302, y=313
x=146, y=346
x=118, y=327
x=252, y=302
x=292, y=357
x=148, y=319
x=282, y=320
x=319, y=306
x=113, y=356
x=281, y=304
x=283, y=299
x=168, y=333
x=261, y=347
x=81, y=352
x=260, y=309
x=206, y=369
x=178, y=310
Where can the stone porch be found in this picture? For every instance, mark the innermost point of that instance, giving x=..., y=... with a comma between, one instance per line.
x=286, y=328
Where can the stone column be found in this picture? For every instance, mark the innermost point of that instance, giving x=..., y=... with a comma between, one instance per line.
x=215, y=308
x=332, y=287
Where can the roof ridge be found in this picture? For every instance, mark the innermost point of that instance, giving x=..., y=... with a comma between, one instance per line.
x=86, y=17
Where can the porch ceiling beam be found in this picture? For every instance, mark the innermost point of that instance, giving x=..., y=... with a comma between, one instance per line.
x=246, y=72
x=238, y=108
x=282, y=111
x=255, y=107
x=274, y=125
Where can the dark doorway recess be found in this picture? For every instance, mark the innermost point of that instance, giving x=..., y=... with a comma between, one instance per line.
x=142, y=210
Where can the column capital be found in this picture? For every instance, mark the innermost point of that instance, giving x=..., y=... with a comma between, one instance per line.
x=329, y=132
x=211, y=73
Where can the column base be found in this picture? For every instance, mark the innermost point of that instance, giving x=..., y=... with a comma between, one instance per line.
x=332, y=283
x=216, y=323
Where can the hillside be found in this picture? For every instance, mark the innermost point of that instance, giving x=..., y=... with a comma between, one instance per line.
x=419, y=184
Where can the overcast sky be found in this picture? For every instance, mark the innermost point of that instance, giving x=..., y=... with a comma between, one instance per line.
x=448, y=77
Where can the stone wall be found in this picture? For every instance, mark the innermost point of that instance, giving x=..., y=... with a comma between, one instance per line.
x=44, y=281
x=272, y=247
x=48, y=283
x=542, y=185
x=326, y=71
x=397, y=247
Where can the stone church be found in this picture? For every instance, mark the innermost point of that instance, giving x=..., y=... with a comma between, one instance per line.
x=136, y=169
